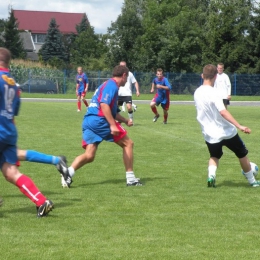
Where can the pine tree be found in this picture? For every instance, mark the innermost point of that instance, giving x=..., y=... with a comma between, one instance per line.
x=83, y=25
x=12, y=40
x=53, y=47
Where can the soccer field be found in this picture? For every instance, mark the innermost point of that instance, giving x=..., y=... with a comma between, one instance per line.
x=173, y=216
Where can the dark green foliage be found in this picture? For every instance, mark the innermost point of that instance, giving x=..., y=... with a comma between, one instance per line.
x=53, y=51
x=83, y=25
x=11, y=38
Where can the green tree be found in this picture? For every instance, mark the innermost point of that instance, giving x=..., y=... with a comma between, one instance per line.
x=83, y=25
x=88, y=50
x=124, y=32
x=53, y=51
x=11, y=38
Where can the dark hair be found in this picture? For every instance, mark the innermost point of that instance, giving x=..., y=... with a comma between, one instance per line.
x=119, y=70
x=159, y=70
x=209, y=71
x=5, y=57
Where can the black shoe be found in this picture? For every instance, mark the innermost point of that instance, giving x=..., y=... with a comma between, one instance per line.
x=45, y=208
x=155, y=118
x=135, y=183
x=63, y=169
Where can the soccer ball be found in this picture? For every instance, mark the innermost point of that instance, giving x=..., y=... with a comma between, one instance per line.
x=254, y=168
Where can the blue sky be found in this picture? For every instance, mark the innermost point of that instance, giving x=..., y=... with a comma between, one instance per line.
x=100, y=12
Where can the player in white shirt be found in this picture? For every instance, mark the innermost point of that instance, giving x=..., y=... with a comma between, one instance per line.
x=223, y=85
x=219, y=127
x=125, y=93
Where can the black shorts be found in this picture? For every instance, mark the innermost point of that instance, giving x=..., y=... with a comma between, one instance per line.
x=235, y=144
x=122, y=99
x=226, y=102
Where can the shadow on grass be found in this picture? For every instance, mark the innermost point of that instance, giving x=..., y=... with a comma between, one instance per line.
x=232, y=184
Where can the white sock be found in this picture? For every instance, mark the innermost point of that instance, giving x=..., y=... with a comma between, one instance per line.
x=130, y=177
x=130, y=115
x=212, y=171
x=250, y=176
x=71, y=171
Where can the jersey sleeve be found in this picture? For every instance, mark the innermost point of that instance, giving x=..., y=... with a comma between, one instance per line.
x=167, y=83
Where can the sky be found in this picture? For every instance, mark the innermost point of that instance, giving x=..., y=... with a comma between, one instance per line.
x=99, y=12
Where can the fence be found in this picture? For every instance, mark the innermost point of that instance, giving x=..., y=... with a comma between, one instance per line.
x=182, y=83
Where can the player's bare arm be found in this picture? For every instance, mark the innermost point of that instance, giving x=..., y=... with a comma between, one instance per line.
x=137, y=89
x=122, y=119
x=226, y=114
x=152, y=89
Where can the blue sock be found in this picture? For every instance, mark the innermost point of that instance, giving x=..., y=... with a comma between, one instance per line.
x=34, y=156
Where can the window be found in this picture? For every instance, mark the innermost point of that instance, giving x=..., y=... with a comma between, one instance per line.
x=38, y=38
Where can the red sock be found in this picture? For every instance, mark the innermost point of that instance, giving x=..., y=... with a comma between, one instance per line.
x=165, y=117
x=79, y=105
x=85, y=102
x=29, y=189
x=154, y=109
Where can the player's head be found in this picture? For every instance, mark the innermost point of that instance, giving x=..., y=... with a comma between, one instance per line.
x=122, y=63
x=79, y=70
x=220, y=68
x=209, y=72
x=159, y=73
x=5, y=57
x=121, y=72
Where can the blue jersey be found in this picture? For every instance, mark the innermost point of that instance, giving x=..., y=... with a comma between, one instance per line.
x=9, y=107
x=162, y=94
x=106, y=93
x=82, y=80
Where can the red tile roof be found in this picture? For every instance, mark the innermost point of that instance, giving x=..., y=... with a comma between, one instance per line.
x=38, y=21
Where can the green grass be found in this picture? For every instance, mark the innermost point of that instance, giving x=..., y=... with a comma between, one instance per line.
x=173, y=216
x=141, y=97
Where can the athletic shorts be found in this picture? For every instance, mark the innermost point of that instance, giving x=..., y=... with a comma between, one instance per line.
x=8, y=153
x=126, y=99
x=165, y=104
x=235, y=144
x=226, y=102
x=81, y=94
x=96, y=129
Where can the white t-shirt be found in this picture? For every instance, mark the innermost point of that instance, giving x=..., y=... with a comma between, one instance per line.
x=127, y=89
x=223, y=85
x=215, y=128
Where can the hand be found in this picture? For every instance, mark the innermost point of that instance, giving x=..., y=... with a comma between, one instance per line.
x=114, y=130
x=129, y=122
x=245, y=129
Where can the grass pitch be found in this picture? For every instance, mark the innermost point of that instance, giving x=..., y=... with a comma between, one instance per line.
x=173, y=216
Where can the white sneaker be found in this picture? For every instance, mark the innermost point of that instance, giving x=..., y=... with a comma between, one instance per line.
x=78, y=110
x=63, y=182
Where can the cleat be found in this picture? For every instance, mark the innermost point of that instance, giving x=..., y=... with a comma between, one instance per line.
x=62, y=167
x=1, y=201
x=155, y=118
x=211, y=182
x=45, y=208
x=135, y=107
x=136, y=182
x=78, y=110
x=165, y=122
x=255, y=184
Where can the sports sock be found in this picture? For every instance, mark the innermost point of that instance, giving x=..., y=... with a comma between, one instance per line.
x=34, y=156
x=79, y=105
x=250, y=176
x=71, y=171
x=130, y=177
x=29, y=189
x=212, y=171
x=154, y=109
x=131, y=115
x=85, y=102
x=165, y=117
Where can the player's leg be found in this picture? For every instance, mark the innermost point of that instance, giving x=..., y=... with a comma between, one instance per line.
x=165, y=108
x=79, y=102
x=134, y=107
x=128, y=101
x=83, y=99
x=26, y=186
x=154, y=109
x=127, y=145
x=236, y=145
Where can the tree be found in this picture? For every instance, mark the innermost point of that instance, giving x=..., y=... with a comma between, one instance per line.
x=124, y=32
x=83, y=25
x=11, y=38
x=53, y=51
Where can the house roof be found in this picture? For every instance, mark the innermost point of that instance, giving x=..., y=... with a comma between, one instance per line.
x=27, y=41
x=38, y=21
